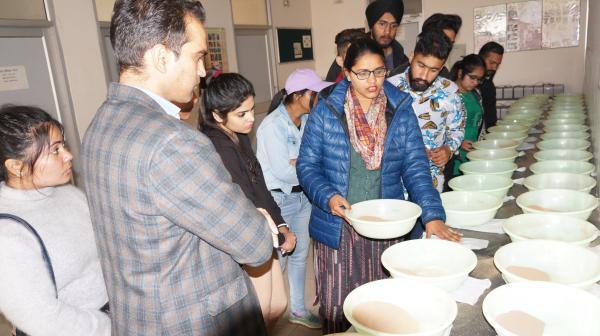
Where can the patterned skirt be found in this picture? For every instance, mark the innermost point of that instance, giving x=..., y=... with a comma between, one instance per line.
x=338, y=272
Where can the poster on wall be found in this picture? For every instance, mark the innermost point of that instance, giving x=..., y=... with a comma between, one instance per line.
x=524, y=26
x=560, y=23
x=216, y=58
x=489, y=25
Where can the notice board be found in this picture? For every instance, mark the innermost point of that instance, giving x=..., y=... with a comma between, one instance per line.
x=295, y=44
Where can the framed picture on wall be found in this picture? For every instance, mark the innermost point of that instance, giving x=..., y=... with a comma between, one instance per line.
x=216, y=58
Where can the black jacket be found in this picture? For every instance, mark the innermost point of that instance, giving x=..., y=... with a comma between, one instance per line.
x=245, y=170
x=488, y=101
x=400, y=63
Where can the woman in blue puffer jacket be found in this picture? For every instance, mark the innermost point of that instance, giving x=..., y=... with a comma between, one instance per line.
x=361, y=142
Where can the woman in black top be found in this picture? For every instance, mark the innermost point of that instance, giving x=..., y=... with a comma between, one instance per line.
x=229, y=117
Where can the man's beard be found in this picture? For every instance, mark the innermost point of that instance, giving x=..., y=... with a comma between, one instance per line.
x=418, y=85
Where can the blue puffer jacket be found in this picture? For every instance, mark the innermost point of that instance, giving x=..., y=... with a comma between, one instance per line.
x=324, y=162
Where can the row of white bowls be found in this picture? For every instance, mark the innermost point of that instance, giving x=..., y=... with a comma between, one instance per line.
x=420, y=266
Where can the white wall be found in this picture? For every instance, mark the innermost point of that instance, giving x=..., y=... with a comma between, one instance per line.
x=80, y=42
x=297, y=15
x=563, y=65
x=218, y=15
x=249, y=12
x=526, y=67
x=592, y=76
x=328, y=19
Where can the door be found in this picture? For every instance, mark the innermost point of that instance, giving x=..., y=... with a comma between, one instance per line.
x=256, y=63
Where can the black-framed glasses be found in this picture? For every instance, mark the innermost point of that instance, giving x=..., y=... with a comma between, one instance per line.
x=475, y=78
x=365, y=74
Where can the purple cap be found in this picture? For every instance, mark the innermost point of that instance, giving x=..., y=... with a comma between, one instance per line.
x=304, y=78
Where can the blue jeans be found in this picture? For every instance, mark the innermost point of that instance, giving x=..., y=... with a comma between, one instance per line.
x=295, y=210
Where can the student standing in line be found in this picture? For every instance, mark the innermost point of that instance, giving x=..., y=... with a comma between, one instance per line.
x=171, y=227
x=383, y=18
x=343, y=40
x=449, y=24
x=435, y=102
x=468, y=74
x=278, y=142
x=492, y=54
x=229, y=118
x=35, y=171
x=361, y=142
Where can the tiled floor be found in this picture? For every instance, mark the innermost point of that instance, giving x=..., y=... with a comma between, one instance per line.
x=283, y=327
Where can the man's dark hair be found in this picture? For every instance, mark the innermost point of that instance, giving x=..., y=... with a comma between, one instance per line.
x=491, y=47
x=440, y=21
x=224, y=94
x=344, y=38
x=433, y=43
x=138, y=25
x=466, y=66
x=359, y=48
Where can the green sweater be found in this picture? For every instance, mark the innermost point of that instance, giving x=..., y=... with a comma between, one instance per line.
x=474, y=113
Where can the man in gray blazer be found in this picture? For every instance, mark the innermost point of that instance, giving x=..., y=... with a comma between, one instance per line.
x=171, y=227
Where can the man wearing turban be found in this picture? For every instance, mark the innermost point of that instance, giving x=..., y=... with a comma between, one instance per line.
x=383, y=18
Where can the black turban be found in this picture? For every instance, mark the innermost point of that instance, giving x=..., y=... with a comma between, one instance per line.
x=377, y=8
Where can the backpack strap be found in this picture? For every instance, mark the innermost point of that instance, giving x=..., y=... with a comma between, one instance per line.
x=45, y=254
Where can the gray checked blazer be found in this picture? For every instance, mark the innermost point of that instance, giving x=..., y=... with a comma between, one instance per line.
x=171, y=227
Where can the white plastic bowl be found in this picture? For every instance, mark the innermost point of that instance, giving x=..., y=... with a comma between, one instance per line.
x=506, y=135
x=563, y=154
x=496, y=144
x=493, y=155
x=559, y=166
x=508, y=128
x=574, y=116
x=527, y=122
x=564, y=263
x=437, y=262
x=398, y=216
x=558, y=201
x=469, y=208
x=570, y=181
x=577, y=144
x=564, y=121
x=550, y=227
x=502, y=168
x=566, y=128
x=565, y=135
x=433, y=308
x=521, y=116
x=563, y=309
x=494, y=185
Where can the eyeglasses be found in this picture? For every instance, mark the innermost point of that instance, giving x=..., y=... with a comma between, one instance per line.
x=365, y=74
x=475, y=78
x=384, y=24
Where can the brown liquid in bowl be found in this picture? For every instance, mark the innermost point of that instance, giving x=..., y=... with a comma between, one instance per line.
x=385, y=317
x=521, y=323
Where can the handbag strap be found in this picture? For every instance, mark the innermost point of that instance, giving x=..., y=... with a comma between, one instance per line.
x=45, y=254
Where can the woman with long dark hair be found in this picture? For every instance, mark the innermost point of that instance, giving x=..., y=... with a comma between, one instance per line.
x=229, y=118
x=468, y=74
x=361, y=142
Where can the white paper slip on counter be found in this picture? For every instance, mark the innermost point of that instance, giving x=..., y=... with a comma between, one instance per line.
x=519, y=180
x=509, y=198
x=535, y=131
x=531, y=139
x=493, y=226
x=471, y=290
x=470, y=243
x=521, y=169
